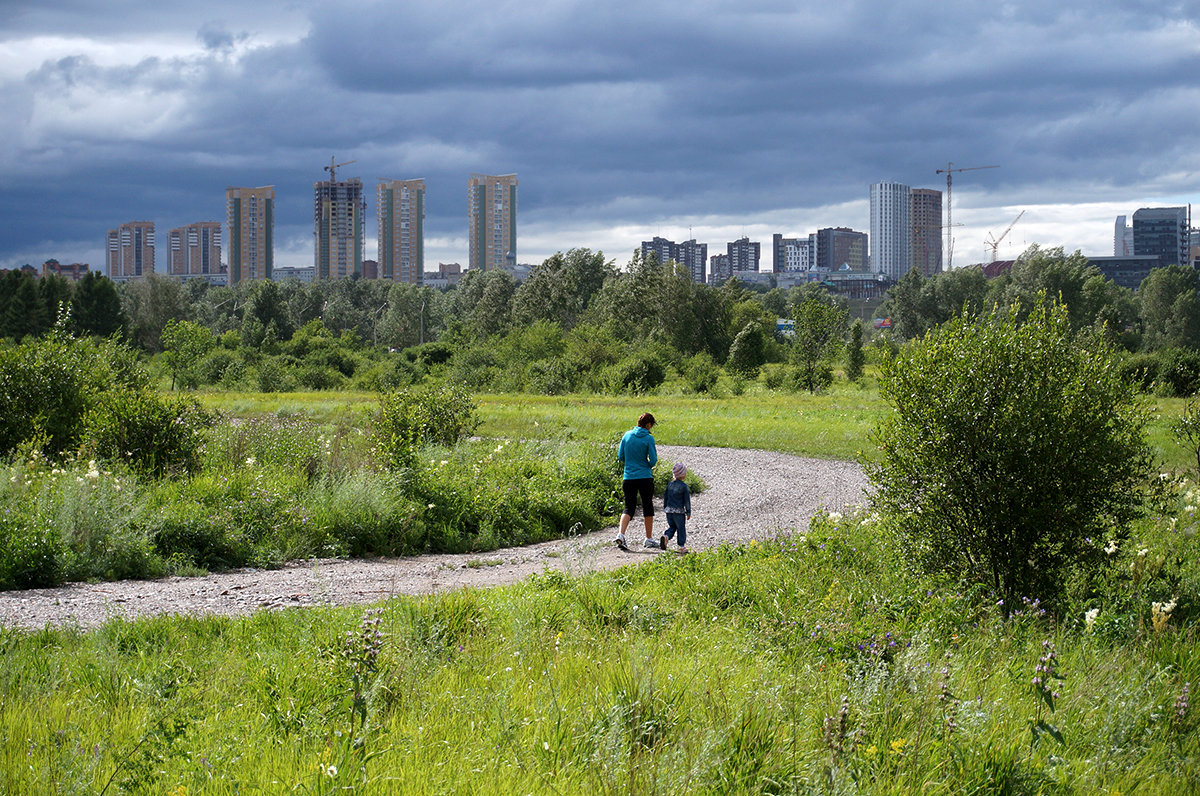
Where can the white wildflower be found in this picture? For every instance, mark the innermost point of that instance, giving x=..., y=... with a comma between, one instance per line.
x=1112, y=547
x=1089, y=618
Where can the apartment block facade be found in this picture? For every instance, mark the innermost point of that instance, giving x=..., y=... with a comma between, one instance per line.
x=400, y=207
x=129, y=251
x=891, y=229
x=339, y=228
x=194, y=250
x=789, y=254
x=744, y=254
x=925, y=214
x=691, y=255
x=492, y=220
x=250, y=225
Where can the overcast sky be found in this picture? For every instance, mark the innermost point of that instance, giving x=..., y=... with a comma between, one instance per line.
x=623, y=120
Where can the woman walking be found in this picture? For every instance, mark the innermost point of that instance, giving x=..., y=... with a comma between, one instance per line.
x=638, y=454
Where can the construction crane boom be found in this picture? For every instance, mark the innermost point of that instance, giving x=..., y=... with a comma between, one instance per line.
x=995, y=242
x=333, y=167
x=949, y=171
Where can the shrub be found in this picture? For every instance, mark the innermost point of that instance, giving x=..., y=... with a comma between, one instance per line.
x=637, y=374
x=1141, y=370
x=47, y=386
x=153, y=434
x=29, y=552
x=551, y=376
x=410, y=418
x=1179, y=371
x=1013, y=451
x=701, y=373
x=748, y=352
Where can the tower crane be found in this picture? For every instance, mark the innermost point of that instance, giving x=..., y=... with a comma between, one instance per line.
x=995, y=242
x=949, y=172
x=333, y=167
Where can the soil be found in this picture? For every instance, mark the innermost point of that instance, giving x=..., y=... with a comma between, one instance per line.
x=751, y=495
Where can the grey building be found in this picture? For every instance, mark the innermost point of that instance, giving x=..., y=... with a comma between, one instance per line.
x=1162, y=232
x=1127, y=271
x=743, y=254
x=690, y=254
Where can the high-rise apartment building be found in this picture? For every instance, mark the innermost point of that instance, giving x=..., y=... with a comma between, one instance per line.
x=789, y=254
x=718, y=269
x=1162, y=231
x=891, y=228
x=250, y=227
x=838, y=248
x=925, y=214
x=401, y=211
x=129, y=251
x=691, y=255
x=194, y=250
x=1122, y=238
x=339, y=228
x=743, y=255
x=492, y=220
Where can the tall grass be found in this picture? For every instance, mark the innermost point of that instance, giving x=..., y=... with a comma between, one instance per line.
x=808, y=664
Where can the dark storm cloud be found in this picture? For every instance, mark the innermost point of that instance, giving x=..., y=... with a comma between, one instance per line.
x=620, y=112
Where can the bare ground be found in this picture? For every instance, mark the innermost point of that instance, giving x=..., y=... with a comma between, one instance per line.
x=752, y=494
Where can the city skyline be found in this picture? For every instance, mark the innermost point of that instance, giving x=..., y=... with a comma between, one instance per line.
x=133, y=110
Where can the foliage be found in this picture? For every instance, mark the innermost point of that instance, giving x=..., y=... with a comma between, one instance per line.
x=638, y=373
x=47, y=386
x=410, y=418
x=185, y=344
x=1170, y=307
x=154, y=435
x=819, y=330
x=855, y=357
x=748, y=352
x=561, y=288
x=742, y=669
x=96, y=307
x=1012, y=450
x=149, y=303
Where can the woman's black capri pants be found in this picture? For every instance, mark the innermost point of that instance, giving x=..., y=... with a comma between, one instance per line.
x=632, y=488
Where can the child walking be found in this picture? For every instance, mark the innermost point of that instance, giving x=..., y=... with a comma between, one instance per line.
x=677, y=505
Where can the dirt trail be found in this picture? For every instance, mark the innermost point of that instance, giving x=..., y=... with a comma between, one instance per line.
x=751, y=494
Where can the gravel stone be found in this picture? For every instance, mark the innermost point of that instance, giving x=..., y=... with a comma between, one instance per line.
x=751, y=495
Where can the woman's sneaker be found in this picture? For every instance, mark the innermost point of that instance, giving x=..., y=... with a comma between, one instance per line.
x=621, y=543
x=650, y=543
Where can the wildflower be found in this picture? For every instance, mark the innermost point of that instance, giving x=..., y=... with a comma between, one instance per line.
x=1112, y=548
x=250, y=461
x=1181, y=706
x=898, y=745
x=431, y=505
x=331, y=772
x=835, y=516
x=1089, y=618
x=1160, y=614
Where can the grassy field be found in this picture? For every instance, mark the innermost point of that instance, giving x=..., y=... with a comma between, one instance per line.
x=806, y=665
x=835, y=425
x=809, y=664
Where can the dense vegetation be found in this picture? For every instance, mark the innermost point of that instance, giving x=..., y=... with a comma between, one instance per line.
x=809, y=664
x=1016, y=614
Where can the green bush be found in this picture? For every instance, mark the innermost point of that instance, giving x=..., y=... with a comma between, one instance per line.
x=555, y=376
x=48, y=384
x=1141, y=370
x=1179, y=371
x=155, y=435
x=29, y=552
x=410, y=418
x=637, y=374
x=1013, y=453
x=701, y=373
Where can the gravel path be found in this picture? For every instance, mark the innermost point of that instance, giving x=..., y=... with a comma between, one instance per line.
x=751, y=494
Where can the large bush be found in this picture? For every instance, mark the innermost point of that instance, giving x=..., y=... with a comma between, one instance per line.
x=1014, y=453
x=410, y=418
